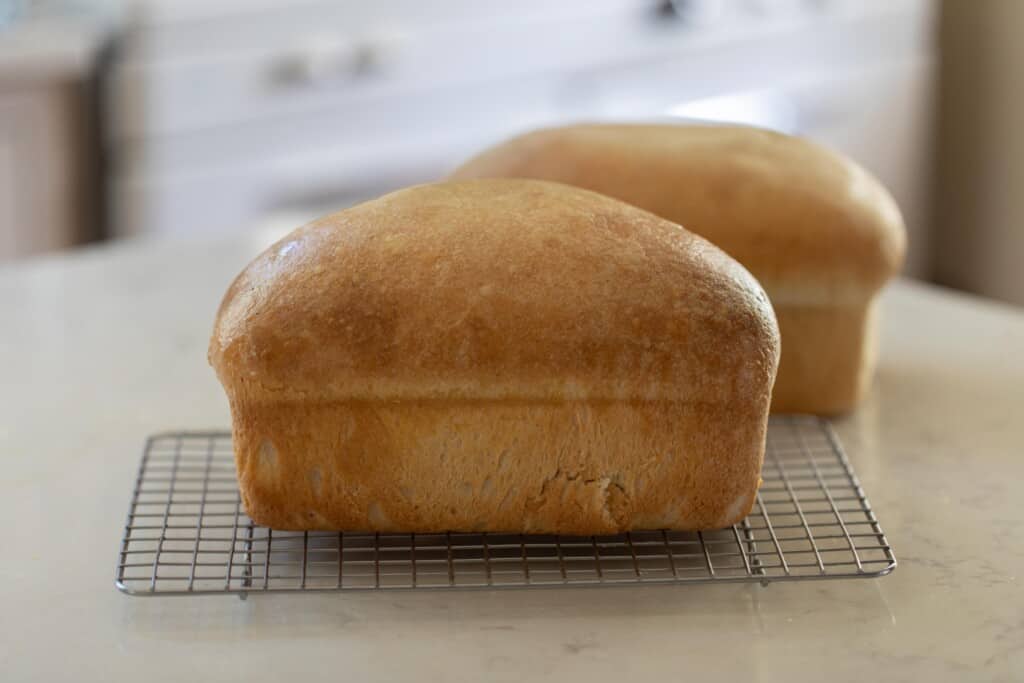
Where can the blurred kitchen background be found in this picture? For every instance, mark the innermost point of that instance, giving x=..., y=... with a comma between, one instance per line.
x=189, y=119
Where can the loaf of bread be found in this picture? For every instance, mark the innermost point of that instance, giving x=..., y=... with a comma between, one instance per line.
x=496, y=355
x=819, y=233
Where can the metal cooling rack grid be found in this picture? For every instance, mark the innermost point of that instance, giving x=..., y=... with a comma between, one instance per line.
x=187, y=533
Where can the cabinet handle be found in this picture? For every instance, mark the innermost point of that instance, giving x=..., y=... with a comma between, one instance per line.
x=324, y=63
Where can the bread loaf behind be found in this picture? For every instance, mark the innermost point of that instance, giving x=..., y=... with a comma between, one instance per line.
x=819, y=233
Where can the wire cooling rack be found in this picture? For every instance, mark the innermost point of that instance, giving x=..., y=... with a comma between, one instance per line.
x=187, y=533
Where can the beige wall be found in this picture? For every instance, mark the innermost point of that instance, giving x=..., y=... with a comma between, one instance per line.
x=979, y=207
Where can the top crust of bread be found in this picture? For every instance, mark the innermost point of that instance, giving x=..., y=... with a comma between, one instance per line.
x=499, y=290
x=807, y=222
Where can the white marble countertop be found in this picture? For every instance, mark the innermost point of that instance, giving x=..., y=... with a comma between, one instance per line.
x=99, y=349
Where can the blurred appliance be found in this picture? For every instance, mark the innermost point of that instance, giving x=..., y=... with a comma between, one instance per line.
x=223, y=115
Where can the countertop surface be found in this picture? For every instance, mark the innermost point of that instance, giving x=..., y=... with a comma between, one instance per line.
x=102, y=348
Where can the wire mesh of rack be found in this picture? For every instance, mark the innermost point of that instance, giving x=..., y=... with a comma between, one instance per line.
x=187, y=533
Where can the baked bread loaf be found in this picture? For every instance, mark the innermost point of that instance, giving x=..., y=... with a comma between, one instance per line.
x=820, y=234
x=496, y=355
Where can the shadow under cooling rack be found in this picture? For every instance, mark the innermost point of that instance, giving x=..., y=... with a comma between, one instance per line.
x=187, y=533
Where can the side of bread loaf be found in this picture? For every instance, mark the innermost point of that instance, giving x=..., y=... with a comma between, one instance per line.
x=501, y=356
x=820, y=234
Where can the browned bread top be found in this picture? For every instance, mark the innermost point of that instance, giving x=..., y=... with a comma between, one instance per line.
x=808, y=223
x=500, y=290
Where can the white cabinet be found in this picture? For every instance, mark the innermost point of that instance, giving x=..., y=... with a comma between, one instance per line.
x=219, y=118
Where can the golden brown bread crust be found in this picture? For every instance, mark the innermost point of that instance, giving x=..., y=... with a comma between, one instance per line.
x=496, y=355
x=829, y=367
x=820, y=234
x=568, y=467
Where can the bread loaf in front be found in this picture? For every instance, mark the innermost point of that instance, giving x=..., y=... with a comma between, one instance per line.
x=496, y=355
x=819, y=233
